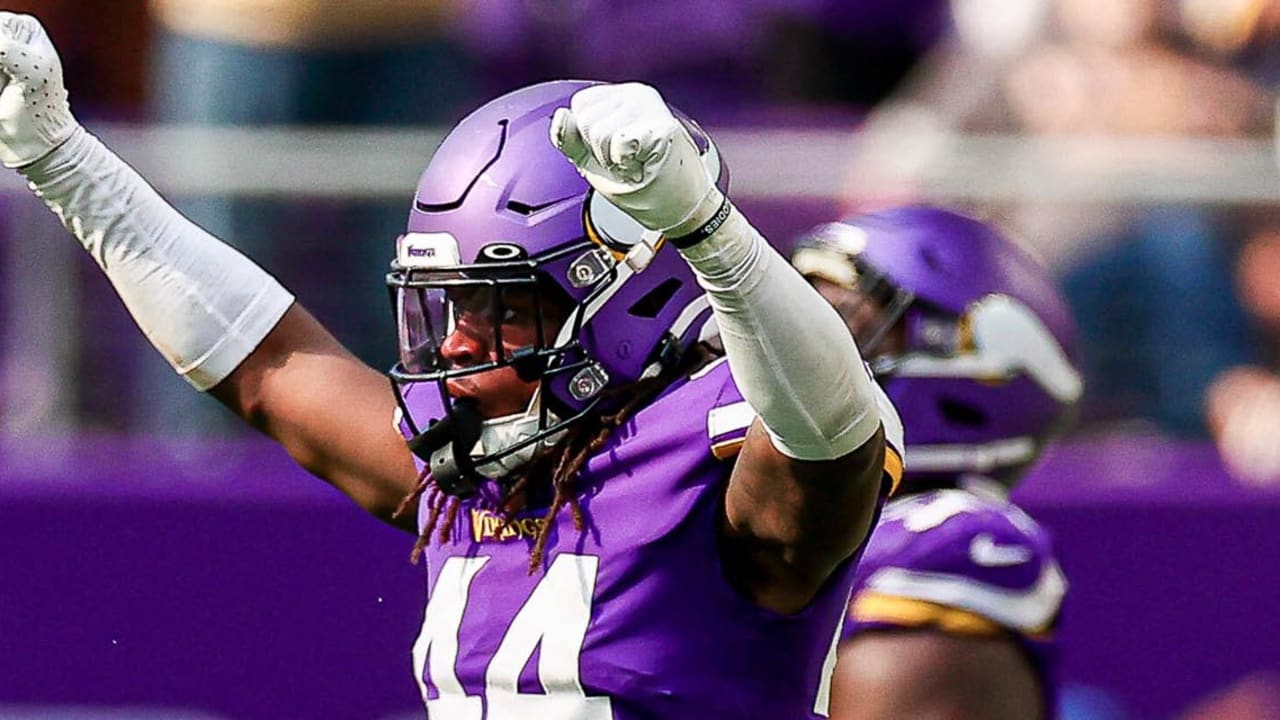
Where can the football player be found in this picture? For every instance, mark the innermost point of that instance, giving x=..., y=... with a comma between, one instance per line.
x=614, y=523
x=957, y=595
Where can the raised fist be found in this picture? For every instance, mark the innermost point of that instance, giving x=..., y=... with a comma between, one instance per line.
x=631, y=148
x=35, y=117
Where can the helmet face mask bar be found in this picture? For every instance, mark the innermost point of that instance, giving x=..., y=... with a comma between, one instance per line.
x=432, y=302
x=893, y=328
x=871, y=305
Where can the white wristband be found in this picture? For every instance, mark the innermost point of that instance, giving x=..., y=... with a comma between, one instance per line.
x=201, y=303
x=790, y=353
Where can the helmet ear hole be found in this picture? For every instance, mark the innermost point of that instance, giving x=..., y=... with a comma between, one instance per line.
x=960, y=413
x=653, y=301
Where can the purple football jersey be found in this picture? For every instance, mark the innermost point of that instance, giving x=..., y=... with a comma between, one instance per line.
x=632, y=617
x=965, y=562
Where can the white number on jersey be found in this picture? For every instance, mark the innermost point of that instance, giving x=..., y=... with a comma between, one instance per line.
x=555, y=616
x=822, y=703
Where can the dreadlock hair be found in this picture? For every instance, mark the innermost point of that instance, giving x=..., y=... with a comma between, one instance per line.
x=561, y=463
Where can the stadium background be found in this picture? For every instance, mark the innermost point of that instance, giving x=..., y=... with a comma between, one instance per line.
x=159, y=562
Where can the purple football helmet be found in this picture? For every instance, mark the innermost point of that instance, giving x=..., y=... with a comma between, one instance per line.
x=499, y=209
x=967, y=333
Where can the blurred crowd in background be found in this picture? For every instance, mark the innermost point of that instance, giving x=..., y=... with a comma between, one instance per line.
x=1178, y=311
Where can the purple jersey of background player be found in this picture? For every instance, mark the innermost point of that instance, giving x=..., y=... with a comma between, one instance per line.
x=632, y=617
x=966, y=562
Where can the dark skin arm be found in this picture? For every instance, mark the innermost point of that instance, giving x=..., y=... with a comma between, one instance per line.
x=929, y=675
x=331, y=413
x=788, y=523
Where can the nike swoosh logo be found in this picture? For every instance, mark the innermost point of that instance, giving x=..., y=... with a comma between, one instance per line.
x=986, y=552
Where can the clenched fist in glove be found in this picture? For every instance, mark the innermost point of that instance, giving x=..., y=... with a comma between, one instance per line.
x=628, y=145
x=35, y=117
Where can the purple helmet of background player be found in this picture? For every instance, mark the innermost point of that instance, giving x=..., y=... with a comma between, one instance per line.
x=967, y=333
x=499, y=208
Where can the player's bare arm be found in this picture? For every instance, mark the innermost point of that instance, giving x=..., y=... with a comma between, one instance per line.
x=921, y=674
x=220, y=320
x=789, y=522
x=329, y=410
x=803, y=492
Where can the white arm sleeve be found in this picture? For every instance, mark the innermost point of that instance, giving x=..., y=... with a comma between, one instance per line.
x=790, y=353
x=201, y=303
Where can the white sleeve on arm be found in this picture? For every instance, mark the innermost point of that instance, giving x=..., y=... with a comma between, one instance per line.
x=201, y=303
x=790, y=353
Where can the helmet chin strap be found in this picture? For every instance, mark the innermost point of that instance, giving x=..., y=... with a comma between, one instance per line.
x=451, y=446
x=444, y=448
x=508, y=430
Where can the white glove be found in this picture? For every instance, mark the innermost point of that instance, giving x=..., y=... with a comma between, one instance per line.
x=35, y=117
x=627, y=144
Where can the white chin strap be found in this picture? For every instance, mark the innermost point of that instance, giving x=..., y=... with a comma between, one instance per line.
x=503, y=432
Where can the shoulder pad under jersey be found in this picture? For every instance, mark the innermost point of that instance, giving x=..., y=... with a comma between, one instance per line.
x=961, y=561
